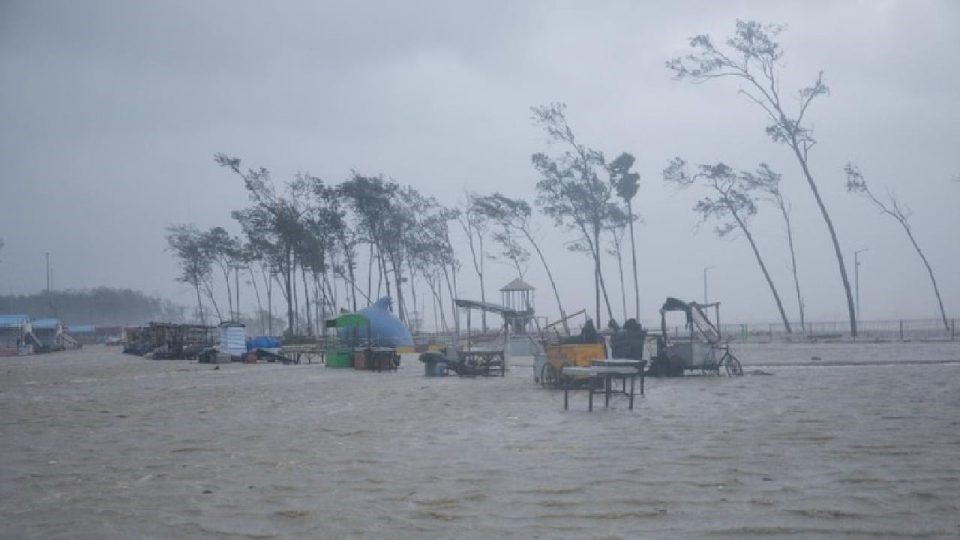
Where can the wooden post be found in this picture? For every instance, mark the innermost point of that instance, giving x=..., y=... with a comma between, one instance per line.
x=901, y=330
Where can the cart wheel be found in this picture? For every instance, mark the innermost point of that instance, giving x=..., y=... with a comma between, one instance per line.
x=548, y=376
x=732, y=365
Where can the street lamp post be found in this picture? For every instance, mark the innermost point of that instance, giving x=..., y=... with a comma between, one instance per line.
x=705, y=297
x=856, y=275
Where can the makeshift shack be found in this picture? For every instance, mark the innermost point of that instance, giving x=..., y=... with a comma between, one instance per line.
x=49, y=332
x=233, y=339
x=349, y=331
x=15, y=335
x=169, y=340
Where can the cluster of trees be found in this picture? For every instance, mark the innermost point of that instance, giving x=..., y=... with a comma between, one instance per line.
x=751, y=56
x=102, y=305
x=306, y=238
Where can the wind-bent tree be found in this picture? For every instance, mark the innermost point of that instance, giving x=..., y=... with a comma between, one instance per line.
x=752, y=56
x=856, y=183
x=505, y=233
x=729, y=203
x=279, y=220
x=767, y=182
x=475, y=226
x=571, y=192
x=188, y=245
x=617, y=227
x=515, y=214
x=627, y=183
x=224, y=250
x=371, y=199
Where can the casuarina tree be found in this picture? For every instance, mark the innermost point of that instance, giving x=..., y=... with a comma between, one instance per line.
x=856, y=183
x=515, y=215
x=767, y=182
x=571, y=191
x=752, y=57
x=627, y=183
x=730, y=203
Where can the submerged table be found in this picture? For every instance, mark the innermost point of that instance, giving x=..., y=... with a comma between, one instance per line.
x=484, y=362
x=297, y=351
x=639, y=365
x=599, y=380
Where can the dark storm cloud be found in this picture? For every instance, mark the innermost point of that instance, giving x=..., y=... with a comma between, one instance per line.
x=111, y=112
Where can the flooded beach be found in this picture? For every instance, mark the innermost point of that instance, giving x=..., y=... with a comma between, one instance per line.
x=101, y=445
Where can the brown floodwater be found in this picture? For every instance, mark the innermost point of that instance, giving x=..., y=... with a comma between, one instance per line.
x=95, y=444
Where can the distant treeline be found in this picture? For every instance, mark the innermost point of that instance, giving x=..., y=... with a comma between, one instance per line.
x=102, y=305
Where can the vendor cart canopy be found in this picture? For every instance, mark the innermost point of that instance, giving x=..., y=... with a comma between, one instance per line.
x=385, y=329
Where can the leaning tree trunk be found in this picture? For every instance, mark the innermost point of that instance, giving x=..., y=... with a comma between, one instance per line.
x=623, y=288
x=633, y=254
x=933, y=280
x=763, y=267
x=306, y=298
x=288, y=288
x=833, y=236
x=553, y=284
x=600, y=280
x=203, y=321
x=793, y=265
x=451, y=290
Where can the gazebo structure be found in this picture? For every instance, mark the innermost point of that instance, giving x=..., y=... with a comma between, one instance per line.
x=518, y=296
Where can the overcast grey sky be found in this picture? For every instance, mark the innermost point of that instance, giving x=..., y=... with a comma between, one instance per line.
x=110, y=113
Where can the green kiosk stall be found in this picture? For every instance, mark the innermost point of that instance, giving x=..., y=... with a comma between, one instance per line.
x=346, y=338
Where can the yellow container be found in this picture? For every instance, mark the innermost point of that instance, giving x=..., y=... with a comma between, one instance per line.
x=574, y=354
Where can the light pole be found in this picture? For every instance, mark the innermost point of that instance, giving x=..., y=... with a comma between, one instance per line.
x=705, y=300
x=856, y=275
x=47, y=254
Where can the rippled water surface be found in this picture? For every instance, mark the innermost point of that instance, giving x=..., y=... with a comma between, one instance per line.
x=95, y=444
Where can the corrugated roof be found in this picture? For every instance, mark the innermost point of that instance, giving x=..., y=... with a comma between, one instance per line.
x=518, y=285
x=45, y=324
x=13, y=321
x=81, y=329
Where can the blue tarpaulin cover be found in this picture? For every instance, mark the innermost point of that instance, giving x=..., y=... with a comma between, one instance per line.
x=385, y=327
x=263, y=342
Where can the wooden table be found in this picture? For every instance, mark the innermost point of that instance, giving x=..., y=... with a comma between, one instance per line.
x=484, y=362
x=297, y=351
x=639, y=365
x=599, y=380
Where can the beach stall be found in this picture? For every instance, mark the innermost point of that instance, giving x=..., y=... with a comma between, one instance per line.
x=233, y=339
x=344, y=338
x=370, y=339
x=15, y=336
x=49, y=332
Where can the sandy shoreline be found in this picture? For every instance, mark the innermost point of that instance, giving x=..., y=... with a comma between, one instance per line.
x=101, y=445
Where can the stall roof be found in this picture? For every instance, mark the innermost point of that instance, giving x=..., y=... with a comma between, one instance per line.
x=518, y=285
x=13, y=321
x=46, y=324
x=81, y=329
x=347, y=320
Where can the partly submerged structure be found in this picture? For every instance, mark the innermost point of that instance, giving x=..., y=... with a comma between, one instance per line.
x=15, y=335
x=385, y=328
x=517, y=296
x=49, y=333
